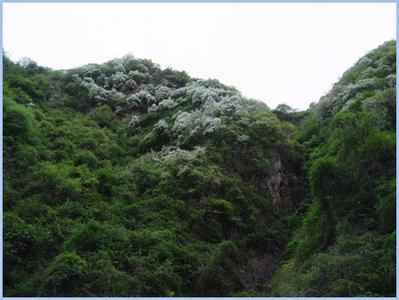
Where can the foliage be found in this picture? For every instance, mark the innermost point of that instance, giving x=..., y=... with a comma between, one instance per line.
x=346, y=244
x=125, y=179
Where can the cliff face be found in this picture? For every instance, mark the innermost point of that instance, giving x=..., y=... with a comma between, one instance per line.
x=278, y=185
x=276, y=182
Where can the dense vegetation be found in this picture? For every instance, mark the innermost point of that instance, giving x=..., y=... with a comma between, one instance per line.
x=346, y=244
x=125, y=179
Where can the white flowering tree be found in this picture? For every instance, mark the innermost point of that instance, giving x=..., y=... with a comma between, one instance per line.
x=134, y=122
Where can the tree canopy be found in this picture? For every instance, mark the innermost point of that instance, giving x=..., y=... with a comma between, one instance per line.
x=125, y=179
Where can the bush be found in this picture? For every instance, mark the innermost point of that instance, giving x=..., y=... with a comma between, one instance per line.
x=65, y=276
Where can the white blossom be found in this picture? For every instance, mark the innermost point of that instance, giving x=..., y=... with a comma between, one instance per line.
x=160, y=126
x=162, y=93
x=133, y=101
x=101, y=79
x=391, y=80
x=187, y=125
x=361, y=85
x=129, y=85
x=141, y=99
x=167, y=104
x=201, y=95
x=174, y=154
x=116, y=80
x=119, y=67
x=95, y=91
x=183, y=120
x=208, y=124
x=116, y=96
x=153, y=107
x=139, y=76
x=128, y=60
x=134, y=122
x=145, y=97
x=142, y=68
x=364, y=62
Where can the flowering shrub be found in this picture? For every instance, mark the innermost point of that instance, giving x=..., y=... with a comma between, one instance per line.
x=174, y=154
x=134, y=122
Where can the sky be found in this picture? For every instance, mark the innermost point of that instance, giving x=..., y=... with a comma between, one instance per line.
x=276, y=53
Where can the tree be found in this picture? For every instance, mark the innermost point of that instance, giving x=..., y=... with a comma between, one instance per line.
x=65, y=276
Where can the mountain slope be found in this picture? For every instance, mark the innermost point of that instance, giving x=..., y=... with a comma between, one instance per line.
x=123, y=179
x=125, y=172
x=346, y=244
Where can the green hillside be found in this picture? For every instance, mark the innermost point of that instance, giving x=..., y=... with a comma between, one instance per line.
x=125, y=179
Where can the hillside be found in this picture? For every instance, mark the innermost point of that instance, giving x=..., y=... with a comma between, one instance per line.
x=125, y=179
x=346, y=244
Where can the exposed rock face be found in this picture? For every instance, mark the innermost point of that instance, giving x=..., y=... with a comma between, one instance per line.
x=278, y=185
x=274, y=183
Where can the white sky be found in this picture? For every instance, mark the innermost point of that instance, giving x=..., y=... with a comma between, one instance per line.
x=276, y=53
